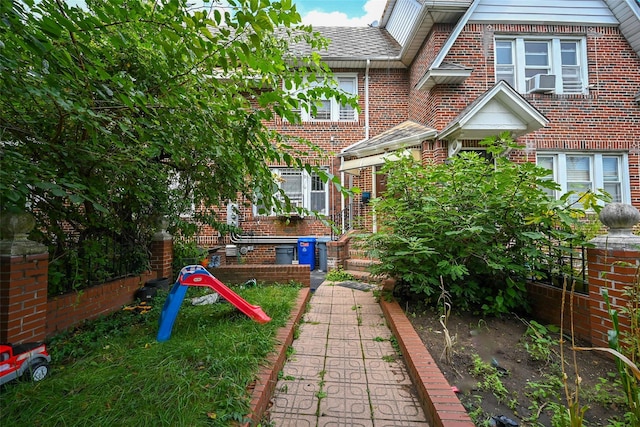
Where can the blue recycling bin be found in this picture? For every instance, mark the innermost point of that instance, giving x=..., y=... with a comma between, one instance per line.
x=307, y=251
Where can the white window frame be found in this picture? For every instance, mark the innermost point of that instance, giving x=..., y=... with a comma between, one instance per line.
x=334, y=110
x=306, y=188
x=555, y=65
x=559, y=172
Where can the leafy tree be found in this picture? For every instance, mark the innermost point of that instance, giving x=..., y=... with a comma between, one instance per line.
x=129, y=110
x=480, y=226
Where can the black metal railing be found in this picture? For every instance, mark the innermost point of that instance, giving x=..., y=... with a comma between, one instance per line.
x=81, y=265
x=563, y=264
x=345, y=220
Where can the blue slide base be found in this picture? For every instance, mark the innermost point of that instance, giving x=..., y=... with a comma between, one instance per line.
x=170, y=310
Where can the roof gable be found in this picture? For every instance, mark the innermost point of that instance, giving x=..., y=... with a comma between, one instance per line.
x=497, y=110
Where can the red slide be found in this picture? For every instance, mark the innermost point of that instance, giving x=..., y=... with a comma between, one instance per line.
x=206, y=279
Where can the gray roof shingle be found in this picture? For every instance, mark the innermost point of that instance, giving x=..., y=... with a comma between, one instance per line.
x=354, y=43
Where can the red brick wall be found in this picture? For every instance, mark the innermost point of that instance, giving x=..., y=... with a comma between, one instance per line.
x=74, y=308
x=612, y=270
x=237, y=274
x=162, y=257
x=23, y=297
x=608, y=269
x=546, y=304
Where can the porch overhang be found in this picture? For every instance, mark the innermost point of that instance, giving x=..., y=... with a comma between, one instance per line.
x=405, y=138
x=354, y=166
x=499, y=109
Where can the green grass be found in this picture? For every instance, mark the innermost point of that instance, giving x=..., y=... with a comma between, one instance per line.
x=113, y=371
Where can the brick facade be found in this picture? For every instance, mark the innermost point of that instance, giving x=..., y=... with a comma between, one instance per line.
x=612, y=270
x=606, y=119
x=23, y=297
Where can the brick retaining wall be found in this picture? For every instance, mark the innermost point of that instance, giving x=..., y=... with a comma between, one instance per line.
x=72, y=309
x=268, y=273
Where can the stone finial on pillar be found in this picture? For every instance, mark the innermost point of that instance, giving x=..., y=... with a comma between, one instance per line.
x=620, y=218
x=613, y=265
x=14, y=229
x=162, y=233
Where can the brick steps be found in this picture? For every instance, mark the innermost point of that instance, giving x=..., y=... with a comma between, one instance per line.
x=359, y=269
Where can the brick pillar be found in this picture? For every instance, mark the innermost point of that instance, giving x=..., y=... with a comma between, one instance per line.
x=24, y=266
x=337, y=252
x=613, y=264
x=162, y=254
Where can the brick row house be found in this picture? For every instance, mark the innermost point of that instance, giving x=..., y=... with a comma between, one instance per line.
x=436, y=77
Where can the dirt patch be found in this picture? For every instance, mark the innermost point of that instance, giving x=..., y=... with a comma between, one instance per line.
x=532, y=391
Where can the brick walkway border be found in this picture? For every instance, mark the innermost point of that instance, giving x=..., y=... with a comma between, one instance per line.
x=440, y=404
x=268, y=375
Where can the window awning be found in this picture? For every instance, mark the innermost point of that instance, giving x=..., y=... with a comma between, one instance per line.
x=353, y=166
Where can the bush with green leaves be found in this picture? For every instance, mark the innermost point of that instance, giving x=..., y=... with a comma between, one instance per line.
x=480, y=225
x=122, y=112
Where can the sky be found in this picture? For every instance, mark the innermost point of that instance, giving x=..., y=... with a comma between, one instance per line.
x=336, y=13
x=357, y=13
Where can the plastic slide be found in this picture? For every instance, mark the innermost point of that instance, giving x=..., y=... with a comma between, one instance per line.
x=196, y=275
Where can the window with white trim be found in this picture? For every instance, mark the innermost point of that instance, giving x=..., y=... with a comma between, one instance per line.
x=330, y=110
x=580, y=172
x=304, y=190
x=518, y=59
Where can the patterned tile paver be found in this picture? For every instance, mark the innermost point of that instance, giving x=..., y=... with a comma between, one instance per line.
x=314, y=330
x=295, y=397
x=309, y=346
x=374, y=349
x=293, y=420
x=351, y=349
x=304, y=367
x=344, y=370
x=337, y=376
x=342, y=422
x=395, y=403
x=383, y=372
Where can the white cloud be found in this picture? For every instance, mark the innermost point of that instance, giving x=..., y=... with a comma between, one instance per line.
x=373, y=12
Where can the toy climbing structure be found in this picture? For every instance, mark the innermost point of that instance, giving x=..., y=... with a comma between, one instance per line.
x=196, y=275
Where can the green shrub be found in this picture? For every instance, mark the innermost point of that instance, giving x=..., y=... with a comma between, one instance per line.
x=479, y=225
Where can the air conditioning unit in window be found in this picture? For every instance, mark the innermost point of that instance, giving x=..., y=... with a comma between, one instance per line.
x=541, y=83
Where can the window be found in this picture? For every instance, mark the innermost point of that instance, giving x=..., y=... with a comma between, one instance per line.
x=519, y=59
x=304, y=190
x=330, y=109
x=580, y=172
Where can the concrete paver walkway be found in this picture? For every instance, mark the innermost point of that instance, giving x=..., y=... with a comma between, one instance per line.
x=344, y=370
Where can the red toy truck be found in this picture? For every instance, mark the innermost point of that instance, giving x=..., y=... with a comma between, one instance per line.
x=28, y=358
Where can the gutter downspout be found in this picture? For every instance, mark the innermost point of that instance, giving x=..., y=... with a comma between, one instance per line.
x=366, y=136
x=366, y=100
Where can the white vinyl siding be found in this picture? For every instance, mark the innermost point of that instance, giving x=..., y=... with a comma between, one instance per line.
x=570, y=12
x=580, y=172
x=401, y=21
x=518, y=59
